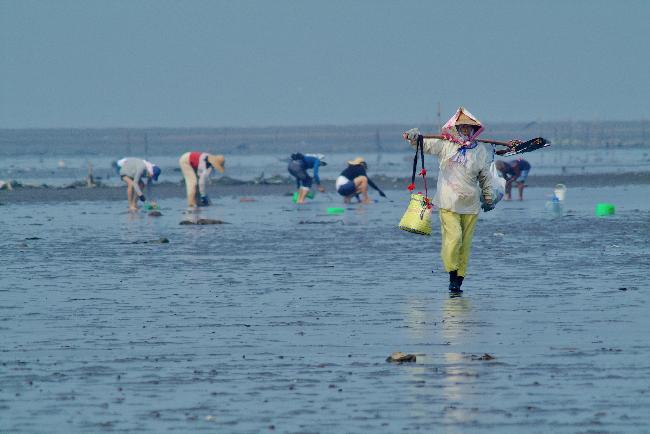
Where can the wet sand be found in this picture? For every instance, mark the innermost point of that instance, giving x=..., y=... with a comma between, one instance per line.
x=269, y=325
x=242, y=189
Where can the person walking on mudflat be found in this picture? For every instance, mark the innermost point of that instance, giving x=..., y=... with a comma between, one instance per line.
x=196, y=168
x=133, y=171
x=463, y=179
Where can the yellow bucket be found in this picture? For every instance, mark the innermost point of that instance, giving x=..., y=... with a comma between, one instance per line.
x=417, y=218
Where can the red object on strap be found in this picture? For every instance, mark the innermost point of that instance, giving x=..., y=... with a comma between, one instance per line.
x=426, y=190
x=423, y=172
x=411, y=187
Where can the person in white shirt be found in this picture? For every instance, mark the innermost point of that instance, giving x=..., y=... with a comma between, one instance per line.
x=463, y=179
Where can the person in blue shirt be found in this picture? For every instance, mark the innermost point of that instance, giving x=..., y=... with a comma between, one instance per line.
x=298, y=169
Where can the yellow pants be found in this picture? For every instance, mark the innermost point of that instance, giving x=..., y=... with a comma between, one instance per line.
x=191, y=181
x=457, y=231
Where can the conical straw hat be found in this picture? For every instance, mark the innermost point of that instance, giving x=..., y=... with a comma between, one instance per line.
x=463, y=119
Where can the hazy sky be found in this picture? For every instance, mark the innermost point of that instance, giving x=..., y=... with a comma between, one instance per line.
x=257, y=63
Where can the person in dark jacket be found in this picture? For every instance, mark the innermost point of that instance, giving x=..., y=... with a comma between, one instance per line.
x=298, y=169
x=354, y=181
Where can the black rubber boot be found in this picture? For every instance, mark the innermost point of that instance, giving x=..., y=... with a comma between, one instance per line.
x=459, y=280
x=454, y=286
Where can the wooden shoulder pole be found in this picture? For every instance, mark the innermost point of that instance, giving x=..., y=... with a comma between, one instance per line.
x=490, y=141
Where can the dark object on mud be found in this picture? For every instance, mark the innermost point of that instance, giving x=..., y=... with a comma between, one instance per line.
x=309, y=222
x=155, y=214
x=485, y=356
x=399, y=357
x=161, y=240
x=273, y=180
x=620, y=289
x=203, y=222
x=33, y=238
x=226, y=180
x=83, y=184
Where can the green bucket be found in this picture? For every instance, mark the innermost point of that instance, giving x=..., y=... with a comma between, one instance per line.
x=310, y=195
x=335, y=210
x=605, y=209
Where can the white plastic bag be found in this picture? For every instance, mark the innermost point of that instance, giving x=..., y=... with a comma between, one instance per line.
x=498, y=185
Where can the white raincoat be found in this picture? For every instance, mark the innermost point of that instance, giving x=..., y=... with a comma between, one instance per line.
x=464, y=166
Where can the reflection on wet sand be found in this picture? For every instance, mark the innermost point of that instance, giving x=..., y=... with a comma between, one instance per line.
x=441, y=380
x=458, y=375
x=454, y=310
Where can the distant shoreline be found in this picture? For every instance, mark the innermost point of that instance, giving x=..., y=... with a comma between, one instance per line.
x=286, y=139
x=177, y=190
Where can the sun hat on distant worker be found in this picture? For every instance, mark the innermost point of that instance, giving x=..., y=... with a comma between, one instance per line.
x=356, y=161
x=218, y=162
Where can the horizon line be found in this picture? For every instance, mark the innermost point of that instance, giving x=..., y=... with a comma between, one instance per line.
x=290, y=126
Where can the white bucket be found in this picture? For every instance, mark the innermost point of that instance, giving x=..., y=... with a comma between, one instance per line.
x=560, y=192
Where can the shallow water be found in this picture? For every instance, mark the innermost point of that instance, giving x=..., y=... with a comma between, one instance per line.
x=273, y=323
x=36, y=170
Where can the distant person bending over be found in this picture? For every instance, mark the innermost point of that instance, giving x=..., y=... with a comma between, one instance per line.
x=354, y=181
x=133, y=171
x=514, y=172
x=298, y=167
x=196, y=168
x=464, y=177
x=520, y=169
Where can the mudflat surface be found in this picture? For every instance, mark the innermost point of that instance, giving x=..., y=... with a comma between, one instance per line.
x=233, y=188
x=281, y=320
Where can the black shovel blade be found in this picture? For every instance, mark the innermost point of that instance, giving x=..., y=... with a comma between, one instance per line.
x=529, y=146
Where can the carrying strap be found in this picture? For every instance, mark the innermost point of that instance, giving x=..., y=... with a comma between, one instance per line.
x=419, y=148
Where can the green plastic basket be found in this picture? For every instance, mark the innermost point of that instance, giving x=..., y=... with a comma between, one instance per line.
x=335, y=210
x=310, y=195
x=605, y=209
